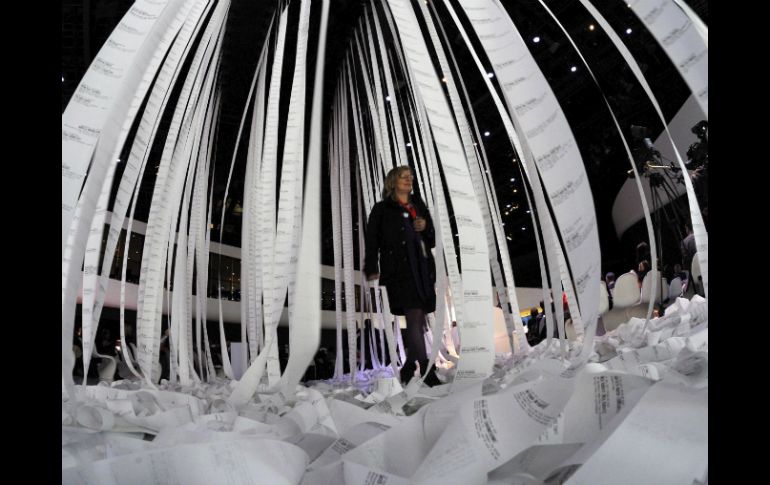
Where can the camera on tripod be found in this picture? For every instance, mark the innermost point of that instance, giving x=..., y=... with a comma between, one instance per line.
x=646, y=155
x=664, y=196
x=698, y=153
x=649, y=161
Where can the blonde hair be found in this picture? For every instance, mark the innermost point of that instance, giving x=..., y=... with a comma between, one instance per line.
x=391, y=179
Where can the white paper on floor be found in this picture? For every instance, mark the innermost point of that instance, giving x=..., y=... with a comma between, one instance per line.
x=533, y=420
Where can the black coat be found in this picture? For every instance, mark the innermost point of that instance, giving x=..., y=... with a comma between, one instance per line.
x=402, y=266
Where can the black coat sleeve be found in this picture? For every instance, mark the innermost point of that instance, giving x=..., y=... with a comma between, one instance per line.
x=429, y=234
x=373, y=241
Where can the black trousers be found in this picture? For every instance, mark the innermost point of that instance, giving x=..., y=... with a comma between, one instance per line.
x=414, y=341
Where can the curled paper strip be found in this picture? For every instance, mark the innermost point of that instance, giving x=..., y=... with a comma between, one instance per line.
x=95, y=417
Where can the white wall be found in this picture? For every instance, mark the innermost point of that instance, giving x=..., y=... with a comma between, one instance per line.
x=231, y=310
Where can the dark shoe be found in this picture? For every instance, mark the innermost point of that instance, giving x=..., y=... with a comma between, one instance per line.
x=431, y=379
x=407, y=373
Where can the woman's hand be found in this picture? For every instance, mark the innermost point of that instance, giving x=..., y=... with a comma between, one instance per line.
x=373, y=276
x=419, y=224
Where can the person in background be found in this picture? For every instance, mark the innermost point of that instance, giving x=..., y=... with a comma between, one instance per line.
x=609, y=278
x=688, y=248
x=642, y=270
x=533, y=326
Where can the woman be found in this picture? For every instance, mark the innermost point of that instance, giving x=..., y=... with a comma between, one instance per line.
x=400, y=235
x=642, y=270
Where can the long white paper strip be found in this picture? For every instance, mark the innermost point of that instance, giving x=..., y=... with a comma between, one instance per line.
x=93, y=129
x=547, y=135
x=476, y=326
x=156, y=241
x=306, y=332
x=681, y=41
x=290, y=201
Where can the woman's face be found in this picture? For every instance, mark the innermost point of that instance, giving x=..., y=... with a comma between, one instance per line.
x=404, y=183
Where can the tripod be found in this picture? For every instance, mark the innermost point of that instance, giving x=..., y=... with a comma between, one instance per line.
x=662, y=182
